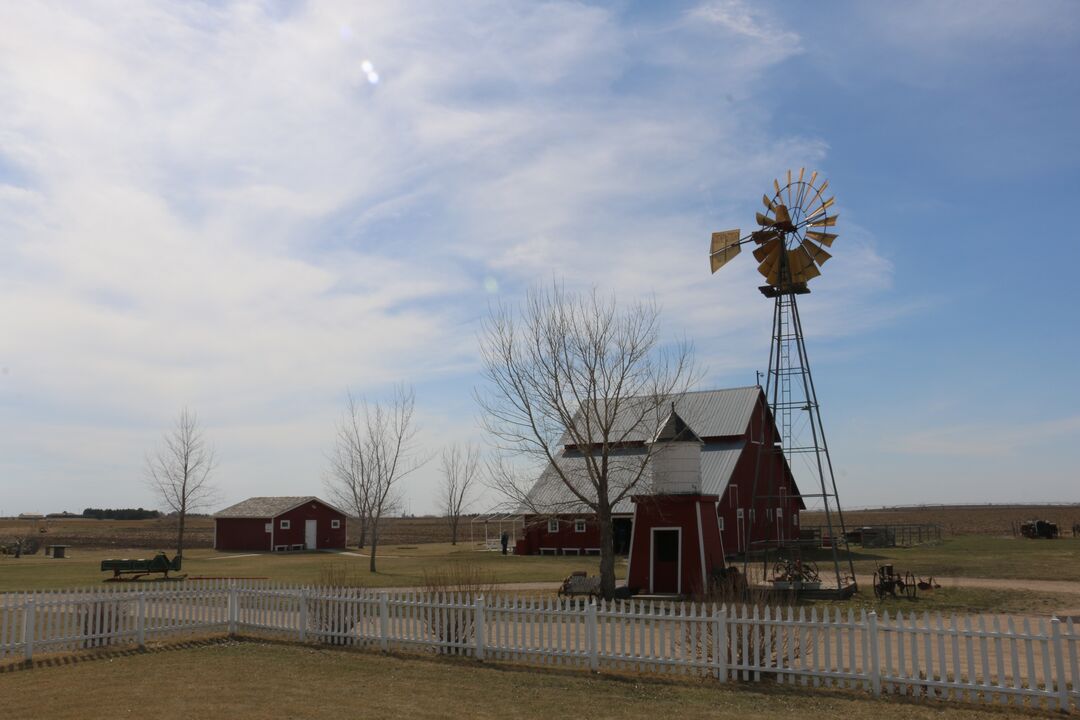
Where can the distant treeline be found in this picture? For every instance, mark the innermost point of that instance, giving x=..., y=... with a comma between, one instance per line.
x=120, y=514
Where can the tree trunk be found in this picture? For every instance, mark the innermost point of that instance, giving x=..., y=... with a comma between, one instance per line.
x=363, y=531
x=453, y=530
x=607, y=551
x=180, y=534
x=374, y=546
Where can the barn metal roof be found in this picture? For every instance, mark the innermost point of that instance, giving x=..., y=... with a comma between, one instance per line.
x=550, y=495
x=267, y=507
x=711, y=414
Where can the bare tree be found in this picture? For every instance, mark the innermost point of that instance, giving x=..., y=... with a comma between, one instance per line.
x=347, y=482
x=374, y=452
x=577, y=370
x=460, y=468
x=179, y=471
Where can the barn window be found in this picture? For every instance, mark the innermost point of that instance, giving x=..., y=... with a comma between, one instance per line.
x=335, y=524
x=739, y=513
x=553, y=526
x=285, y=524
x=779, y=513
x=269, y=527
x=720, y=519
x=795, y=519
x=579, y=526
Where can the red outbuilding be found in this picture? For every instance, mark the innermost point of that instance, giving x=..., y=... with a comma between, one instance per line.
x=280, y=523
x=732, y=426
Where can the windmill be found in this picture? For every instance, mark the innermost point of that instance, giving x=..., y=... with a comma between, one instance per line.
x=794, y=231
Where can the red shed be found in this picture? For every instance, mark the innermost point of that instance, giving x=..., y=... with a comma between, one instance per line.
x=280, y=523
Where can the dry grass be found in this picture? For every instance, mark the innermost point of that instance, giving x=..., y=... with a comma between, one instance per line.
x=958, y=519
x=251, y=679
x=161, y=534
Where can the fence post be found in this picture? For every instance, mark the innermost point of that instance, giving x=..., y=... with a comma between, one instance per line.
x=234, y=612
x=720, y=643
x=591, y=627
x=28, y=629
x=479, y=622
x=384, y=622
x=140, y=621
x=1059, y=666
x=875, y=659
x=303, y=596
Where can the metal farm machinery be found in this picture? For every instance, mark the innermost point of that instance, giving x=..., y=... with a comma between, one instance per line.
x=889, y=582
x=160, y=563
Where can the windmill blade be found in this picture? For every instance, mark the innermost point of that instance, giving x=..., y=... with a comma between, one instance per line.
x=821, y=208
x=721, y=258
x=763, y=236
x=771, y=262
x=723, y=239
x=776, y=184
x=782, y=215
x=825, y=222
x=802, y=188
x=817, y=252
x=822, y=237
x=764, y=220
x=788, y=186
x=806, y=274
x=798, y=260
x=768, y=203
x=763, y=252
x=819, y=193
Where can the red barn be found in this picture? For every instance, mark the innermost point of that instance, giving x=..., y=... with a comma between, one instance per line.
x=733, y=424
x=280, y=523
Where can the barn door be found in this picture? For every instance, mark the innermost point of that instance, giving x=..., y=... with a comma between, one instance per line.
x=665, y=560
x=310, y=533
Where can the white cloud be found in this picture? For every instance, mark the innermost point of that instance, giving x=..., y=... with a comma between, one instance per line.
x=214, y=205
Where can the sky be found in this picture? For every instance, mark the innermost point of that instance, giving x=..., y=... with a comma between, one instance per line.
x=250, y=208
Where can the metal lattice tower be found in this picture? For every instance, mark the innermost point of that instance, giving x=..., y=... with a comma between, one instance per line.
x=791, y=245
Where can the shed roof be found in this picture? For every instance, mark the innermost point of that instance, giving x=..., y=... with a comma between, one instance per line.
x=268, y=507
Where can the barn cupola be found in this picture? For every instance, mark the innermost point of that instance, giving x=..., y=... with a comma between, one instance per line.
x=676, y=459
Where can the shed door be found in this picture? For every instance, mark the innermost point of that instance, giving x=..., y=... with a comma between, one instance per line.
x=310, y=531
x=665, y=557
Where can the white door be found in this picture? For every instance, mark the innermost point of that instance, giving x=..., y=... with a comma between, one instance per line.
x=309, y=533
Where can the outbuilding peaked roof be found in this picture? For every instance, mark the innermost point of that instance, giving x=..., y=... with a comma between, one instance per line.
x=267, y=507
x=675, y=429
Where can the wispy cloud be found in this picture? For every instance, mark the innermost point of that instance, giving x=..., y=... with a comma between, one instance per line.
x=215, y=205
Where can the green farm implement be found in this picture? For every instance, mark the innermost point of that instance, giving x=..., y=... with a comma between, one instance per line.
x=135, y=569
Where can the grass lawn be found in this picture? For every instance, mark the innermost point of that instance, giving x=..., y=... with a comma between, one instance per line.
x=399, y=565
x=255, y=679
x=981, y=556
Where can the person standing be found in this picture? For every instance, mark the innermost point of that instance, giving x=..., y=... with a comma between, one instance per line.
x=505, y=541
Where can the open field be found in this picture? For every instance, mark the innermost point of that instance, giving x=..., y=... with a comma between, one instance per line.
x=161, y=534
x=399, y=566
x=978, y=574
x=958, y=519
x=255, y=679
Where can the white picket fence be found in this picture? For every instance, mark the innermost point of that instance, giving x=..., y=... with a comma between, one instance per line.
x=995, y=660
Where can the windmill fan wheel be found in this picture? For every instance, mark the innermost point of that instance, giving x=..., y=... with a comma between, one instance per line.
x=794, y=233
x=795, y=230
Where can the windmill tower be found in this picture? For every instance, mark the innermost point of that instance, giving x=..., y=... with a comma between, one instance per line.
x=794, y=232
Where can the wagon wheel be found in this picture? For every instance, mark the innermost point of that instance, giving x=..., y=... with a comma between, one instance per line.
x=879, y=591
x=910, y=588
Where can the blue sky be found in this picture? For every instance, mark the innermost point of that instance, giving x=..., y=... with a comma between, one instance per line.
x=249, y=207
